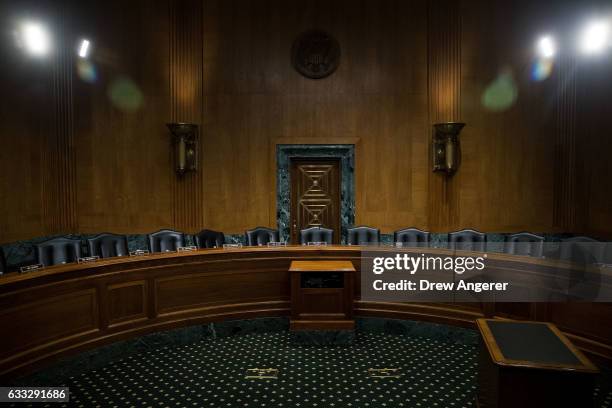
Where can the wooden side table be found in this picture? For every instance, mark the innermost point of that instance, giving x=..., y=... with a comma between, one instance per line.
x=322, y=295
x=531, y=364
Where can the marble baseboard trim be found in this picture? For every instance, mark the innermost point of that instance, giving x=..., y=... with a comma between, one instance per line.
x=412, y=328
x=241, y=327
x=322, y=337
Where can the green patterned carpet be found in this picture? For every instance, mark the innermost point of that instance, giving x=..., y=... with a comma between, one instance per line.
x=211, y=373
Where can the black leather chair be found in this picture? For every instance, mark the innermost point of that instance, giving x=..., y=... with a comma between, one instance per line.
x=412, y=237
x=209, y=239
x=261, y=236
x=362, y=235
x=582, y=250
x=2, y=262
x=108, y=245
x=580, y=239
x=467, y=240
x=58, y=251
x=165, y=241
x=524, y=243
x=316, y=234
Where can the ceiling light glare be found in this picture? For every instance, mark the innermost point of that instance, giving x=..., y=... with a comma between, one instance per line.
x=546, y=47
x=35, y=39
x=595, y=37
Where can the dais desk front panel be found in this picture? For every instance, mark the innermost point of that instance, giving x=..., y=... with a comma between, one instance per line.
x=63, y=310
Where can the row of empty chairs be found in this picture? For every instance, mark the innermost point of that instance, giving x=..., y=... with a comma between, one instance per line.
x=65, y=250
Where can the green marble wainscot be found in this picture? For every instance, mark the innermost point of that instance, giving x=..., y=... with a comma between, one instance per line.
x=235, y=239
x=386, y=239
x=495, y=242
x=438, y=240
x=136, y=242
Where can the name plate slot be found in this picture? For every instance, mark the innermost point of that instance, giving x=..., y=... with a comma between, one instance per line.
x=30, y=268
x=311, y=280
x=187, y=249
x=317, y=243
x=277, y=244
x=88, y=259
x=232, y=246
x=139, y=252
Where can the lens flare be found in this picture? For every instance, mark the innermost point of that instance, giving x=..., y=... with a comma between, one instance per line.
x=125, y=94
x=501, y=93
x=86, y=71
x=84, y=49
x=541, y=69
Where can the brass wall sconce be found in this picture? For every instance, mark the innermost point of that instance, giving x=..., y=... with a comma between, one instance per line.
x=185, y=145
x=446, y=151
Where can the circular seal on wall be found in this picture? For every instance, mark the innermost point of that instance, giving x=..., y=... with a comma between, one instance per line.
x=315, y=54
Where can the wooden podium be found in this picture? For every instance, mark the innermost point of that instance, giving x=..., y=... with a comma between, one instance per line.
x=322, y=295
x=531, y=364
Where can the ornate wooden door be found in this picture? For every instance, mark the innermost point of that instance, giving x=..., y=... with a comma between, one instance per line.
x=315, y=196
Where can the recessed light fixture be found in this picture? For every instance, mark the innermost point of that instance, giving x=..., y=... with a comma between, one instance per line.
x=35, y=38
x=595, y=37
x=546, y=47
x=84, y=48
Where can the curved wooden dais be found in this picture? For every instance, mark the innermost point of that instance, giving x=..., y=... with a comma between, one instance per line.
x=66, y=309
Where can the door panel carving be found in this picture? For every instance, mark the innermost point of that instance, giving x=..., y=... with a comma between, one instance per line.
x=315, y=196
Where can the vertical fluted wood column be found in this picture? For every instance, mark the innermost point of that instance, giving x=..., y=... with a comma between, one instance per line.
x=565, y=209
x=58, y=148
x=444, y=98
x=186, y=105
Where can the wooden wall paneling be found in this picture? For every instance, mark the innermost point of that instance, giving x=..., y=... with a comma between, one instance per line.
x=59, y=186
x=594, y=188
x=190, y=293
x=22, y=133
x=37, y=131
x=127, y=302
x=505, y=181
x=444, y=102
x=391, y=117
x=571, y=317
x=186, y=105
x=240, y=112
x=123, y=145
x=254, y=96
x=34, y=328
x=89, y=165
x=564, y=211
